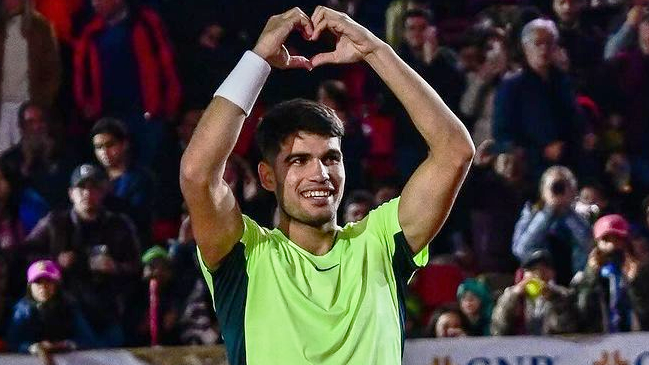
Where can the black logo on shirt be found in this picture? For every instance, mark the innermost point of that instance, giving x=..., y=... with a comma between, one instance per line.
x=327, y=269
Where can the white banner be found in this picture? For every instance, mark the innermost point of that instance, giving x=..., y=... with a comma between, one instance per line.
x=98, y=357
x=621, y=349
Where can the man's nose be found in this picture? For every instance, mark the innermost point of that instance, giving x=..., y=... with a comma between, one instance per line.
x=320, y=171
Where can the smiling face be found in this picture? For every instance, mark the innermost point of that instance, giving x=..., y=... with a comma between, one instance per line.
x=307, y=177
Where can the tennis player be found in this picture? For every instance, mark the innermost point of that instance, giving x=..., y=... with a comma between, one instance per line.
x=309, y=291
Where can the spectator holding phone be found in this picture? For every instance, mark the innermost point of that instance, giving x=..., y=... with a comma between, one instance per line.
x=553, y=224
x=612, y=295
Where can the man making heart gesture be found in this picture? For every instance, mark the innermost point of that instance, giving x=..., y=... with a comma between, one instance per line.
x=309, y=291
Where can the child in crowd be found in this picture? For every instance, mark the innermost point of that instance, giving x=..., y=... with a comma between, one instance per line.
x=45, y=320
x=476, y=304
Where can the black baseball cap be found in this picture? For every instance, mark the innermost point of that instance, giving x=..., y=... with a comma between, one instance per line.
x=87, y=172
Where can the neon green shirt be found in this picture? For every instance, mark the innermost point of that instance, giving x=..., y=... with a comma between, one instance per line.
x=279, y=304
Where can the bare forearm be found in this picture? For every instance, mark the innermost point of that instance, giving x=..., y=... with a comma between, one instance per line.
x=432, y=118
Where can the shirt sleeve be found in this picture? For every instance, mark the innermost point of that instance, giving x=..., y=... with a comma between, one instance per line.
x=384, y=220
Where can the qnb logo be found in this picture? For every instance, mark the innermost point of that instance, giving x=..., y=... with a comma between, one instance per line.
x=614, y=358
x=518, y=360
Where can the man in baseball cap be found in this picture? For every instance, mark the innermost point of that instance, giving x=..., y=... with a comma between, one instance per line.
x=71, y=235
x=87, y=173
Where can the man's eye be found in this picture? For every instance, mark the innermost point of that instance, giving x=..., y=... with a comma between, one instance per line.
x=331, y=160
x=297, y=161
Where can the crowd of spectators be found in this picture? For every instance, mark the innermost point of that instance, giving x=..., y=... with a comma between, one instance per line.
x=98, y=99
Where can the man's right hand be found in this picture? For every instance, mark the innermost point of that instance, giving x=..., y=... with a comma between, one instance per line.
x=270, y=45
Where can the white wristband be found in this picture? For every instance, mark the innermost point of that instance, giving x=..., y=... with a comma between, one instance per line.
x=243, y=85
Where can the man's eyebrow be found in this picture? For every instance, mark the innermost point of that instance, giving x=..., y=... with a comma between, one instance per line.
x=298, y=154
x=333, y=153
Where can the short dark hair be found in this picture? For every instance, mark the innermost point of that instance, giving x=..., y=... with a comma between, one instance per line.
x=112, y=126
x=289, y=117
x=418, y=13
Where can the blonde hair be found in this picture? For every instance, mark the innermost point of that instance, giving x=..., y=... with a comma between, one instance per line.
x=558, y=170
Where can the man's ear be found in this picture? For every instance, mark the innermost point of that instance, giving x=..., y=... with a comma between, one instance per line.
x=266, y=176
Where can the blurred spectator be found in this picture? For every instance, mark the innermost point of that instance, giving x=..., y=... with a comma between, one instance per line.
x=185, y=128
x=41, y=158
x=124, y=67
x=553, y=224
x=158, y=325
x=477, y=101
x=131, y=66
x=623, y=96
x=581, y=42
x=536, y=109
x=535, y=305
x=476, y=304
x=438, y=66
x=12, y=231
x=101, y=299
x=184, y=259
x=31, y=65
x=625, y=189
x=446, y=322
x=128, y=182
x=197, y=322
x=357, y=205
x=623, y=33
x=69, y=236
x=255, y=202
x=385, y=190
x=592, y=202
x=492, y=216
x=207, y=61
x=45, y=321
x=394, y=17
x=613, y=295
x=355, y=143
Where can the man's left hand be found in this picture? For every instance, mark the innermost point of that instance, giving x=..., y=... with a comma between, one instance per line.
x=354, y=42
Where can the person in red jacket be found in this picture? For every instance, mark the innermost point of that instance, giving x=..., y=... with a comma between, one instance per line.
x=124, y=67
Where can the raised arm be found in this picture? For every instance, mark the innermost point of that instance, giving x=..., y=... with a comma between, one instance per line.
x=429, y=194
x=216, y=218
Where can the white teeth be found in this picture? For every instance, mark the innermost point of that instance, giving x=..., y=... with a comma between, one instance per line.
x=316, y=193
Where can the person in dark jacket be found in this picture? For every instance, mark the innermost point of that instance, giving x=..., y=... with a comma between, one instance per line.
x=69, y=236
x=45, y=320
x=535, y=109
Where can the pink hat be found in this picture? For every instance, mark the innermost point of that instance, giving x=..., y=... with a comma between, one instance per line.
x=43, y=269
x=611, y=224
